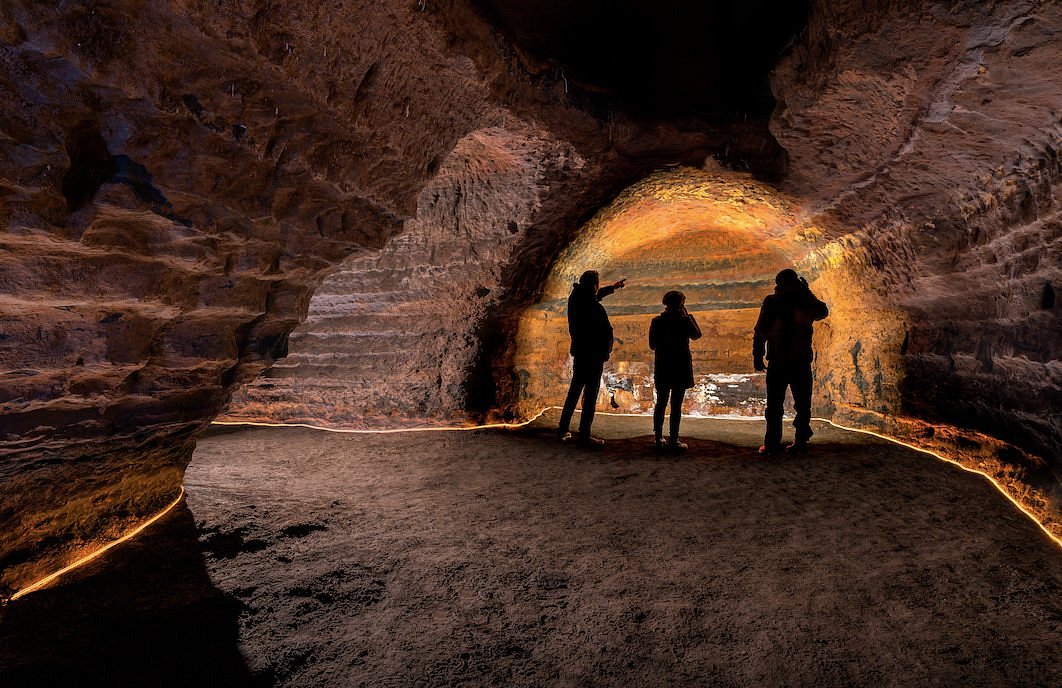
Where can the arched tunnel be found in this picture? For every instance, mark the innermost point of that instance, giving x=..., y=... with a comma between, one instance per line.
x=368, y=215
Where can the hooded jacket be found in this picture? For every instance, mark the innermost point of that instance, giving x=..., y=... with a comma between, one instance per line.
x=588, y=323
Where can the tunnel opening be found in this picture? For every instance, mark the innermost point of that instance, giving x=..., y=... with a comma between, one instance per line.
x=716, y=235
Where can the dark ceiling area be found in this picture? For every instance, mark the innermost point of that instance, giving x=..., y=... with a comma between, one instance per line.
x=709, y=57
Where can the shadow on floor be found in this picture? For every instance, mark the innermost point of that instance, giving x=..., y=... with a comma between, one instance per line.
x=144, y=614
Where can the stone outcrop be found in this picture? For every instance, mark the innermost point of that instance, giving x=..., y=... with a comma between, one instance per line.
x=177, y=179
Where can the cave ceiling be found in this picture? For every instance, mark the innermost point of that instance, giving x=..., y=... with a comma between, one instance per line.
x=663, y=58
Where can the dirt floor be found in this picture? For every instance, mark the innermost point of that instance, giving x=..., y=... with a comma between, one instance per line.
x=506, y=558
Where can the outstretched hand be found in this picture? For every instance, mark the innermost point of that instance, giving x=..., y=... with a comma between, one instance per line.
x=620, y=284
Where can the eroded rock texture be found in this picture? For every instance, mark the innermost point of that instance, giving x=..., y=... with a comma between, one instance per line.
x=177, y=178
x=923, y=171
x=389, y=336
x=930, y=136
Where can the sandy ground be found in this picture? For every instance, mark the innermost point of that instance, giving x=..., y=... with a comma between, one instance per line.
x=505, y=558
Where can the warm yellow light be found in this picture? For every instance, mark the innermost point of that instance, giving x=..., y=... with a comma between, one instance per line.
x=385, y=431
x=995, y=484
x=89, y=557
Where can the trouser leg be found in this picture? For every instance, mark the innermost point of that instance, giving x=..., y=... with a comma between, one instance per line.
x=574, y=390
x=800, y=383
x=777, y=381
x=677, y=393
x=658, y=411
x=592, y=382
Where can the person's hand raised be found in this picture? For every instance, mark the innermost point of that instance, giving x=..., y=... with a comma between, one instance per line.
x=620, y=284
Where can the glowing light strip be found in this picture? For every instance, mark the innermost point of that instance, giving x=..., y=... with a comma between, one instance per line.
x=387, y=431
x=180, y=495
x=995, y=483
x=89, y=557
x=999, y=488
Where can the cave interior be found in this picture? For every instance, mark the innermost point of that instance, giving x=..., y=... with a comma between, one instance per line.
x=368, y=215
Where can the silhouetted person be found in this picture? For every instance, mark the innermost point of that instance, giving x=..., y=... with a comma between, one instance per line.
x=785, y=328
x=591, y=334
x=669, y=336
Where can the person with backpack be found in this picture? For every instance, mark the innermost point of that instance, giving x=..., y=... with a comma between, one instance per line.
x=782, y=336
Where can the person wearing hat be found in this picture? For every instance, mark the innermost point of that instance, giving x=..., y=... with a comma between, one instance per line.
x=669, y=338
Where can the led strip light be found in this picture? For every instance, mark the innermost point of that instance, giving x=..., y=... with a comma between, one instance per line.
x=489, y=426
x=1054, y=538
x=33, y=587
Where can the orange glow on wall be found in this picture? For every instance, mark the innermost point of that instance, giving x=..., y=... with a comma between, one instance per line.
x=720, y=237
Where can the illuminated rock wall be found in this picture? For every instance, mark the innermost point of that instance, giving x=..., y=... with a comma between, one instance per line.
x=718, y=237
x=388, y=337
x=176, y=179
x=942, y=168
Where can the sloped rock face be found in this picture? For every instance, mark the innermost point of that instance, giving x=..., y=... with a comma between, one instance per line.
x=930, y=137
x=389, y=337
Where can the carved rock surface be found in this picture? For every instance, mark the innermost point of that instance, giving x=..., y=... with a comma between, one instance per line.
x=388, y=336
x=177, y=179
x=931, y=139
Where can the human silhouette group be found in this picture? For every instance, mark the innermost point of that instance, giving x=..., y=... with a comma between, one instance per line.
x=781, y=346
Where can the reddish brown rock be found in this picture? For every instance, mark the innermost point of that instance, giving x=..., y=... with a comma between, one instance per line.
x=176, y=180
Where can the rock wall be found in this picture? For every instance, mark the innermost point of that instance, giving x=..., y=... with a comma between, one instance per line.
x=926, y=138
x=388, y=338
x=176, y=179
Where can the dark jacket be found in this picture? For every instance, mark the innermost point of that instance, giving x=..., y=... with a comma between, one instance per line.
x=669, y=336
x=588, y=324
x=785, y=326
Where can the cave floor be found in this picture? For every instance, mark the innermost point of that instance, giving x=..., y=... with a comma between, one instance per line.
x=507, y=558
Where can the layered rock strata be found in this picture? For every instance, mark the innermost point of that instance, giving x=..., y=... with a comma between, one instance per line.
x=926, y=139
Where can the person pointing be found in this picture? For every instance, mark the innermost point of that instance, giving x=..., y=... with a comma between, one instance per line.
x=591, y=334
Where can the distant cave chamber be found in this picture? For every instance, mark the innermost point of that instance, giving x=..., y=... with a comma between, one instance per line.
x=379, y=346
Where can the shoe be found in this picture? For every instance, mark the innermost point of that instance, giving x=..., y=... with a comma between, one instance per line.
x=591, y=442
x=797, y=448
x=661, y=445
x=765, y=450
x=565, y=436
x=677, y=445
